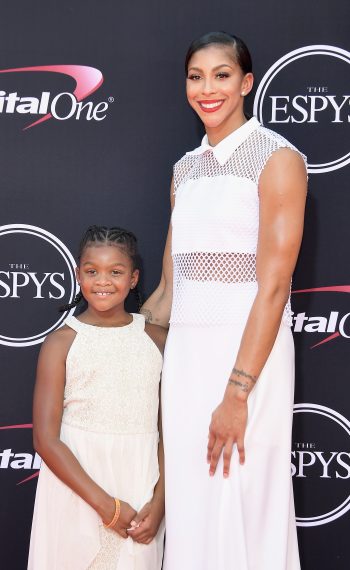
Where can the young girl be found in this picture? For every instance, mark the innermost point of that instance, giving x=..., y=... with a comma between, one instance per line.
x=100, y=495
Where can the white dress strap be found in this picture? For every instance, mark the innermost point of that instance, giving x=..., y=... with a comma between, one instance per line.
x=73, y=323
x=139, y=321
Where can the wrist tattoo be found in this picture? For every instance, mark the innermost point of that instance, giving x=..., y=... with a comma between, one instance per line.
x=244, y=374
x=242, y=385
x=147, y=314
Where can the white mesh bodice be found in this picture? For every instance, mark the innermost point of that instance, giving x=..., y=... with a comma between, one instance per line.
x=112, y=379
x=215, y=225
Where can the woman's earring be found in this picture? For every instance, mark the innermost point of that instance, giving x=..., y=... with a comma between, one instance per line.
x=243, y=93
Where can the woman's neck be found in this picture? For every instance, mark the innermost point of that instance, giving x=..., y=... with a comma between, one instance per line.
x=217, y=134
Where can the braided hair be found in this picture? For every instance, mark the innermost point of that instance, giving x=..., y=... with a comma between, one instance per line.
x=102, y=235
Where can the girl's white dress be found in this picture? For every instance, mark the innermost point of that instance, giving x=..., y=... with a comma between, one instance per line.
x=110, y=422
x=245, y=522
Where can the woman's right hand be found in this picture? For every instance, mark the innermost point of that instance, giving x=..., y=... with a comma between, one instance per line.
x=227, y=428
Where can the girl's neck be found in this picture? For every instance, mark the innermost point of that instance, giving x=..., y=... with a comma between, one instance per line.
x=113, y=318
x=217, y=134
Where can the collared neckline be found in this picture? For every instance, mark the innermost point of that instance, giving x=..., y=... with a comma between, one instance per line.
x=223, y=150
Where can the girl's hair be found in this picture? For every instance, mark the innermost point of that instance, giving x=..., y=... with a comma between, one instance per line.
x=101, y=235
x=240, y=50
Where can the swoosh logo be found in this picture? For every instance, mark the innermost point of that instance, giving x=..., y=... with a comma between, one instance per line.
x=87, y=79
x=331, y=289
x=22, y=426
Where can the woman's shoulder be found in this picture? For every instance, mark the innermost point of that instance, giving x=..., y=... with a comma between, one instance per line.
x=275, y=141
x=158, y=334
x=182, y=167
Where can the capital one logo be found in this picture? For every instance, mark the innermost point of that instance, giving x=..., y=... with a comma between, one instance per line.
x=305, y=96
x=334, y=324
x=320, y=464
x=36, y=277
x=14, y=439
x=61, y=106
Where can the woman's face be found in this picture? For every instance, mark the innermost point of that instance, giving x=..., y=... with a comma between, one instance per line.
x=216, y=87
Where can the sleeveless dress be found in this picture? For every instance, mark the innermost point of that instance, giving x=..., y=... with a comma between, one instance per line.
x=245, y=522
x=110, y=423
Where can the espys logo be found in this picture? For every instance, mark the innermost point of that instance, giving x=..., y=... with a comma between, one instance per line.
x=305, y=96
x=62, y=106
x=336, y=324
x=14, y=460
x=37, y=276
x=320, y=464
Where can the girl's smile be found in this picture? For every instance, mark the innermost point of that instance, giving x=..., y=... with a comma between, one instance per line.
x=106, y=275
x=103, y=293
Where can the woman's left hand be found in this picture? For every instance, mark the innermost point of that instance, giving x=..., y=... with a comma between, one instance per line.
x=146, y=523
x=227, y=428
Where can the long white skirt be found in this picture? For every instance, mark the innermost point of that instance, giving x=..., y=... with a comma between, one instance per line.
x=245, y=522
x=67, y=534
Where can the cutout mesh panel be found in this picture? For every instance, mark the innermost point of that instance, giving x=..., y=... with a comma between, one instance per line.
x=247, y=161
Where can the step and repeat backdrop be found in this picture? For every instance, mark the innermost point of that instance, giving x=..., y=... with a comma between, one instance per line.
x=92, y=117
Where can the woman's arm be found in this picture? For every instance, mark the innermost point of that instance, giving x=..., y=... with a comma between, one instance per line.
x=282, y=191
x=157, y=307
x=47, y=416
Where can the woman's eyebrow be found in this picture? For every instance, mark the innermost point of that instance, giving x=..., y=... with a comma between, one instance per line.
x=214, y=68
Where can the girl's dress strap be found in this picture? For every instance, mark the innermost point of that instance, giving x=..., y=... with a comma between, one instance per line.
x=73, y=323
x=139, y=321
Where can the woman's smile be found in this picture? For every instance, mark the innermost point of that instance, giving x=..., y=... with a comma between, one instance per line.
x=216, y=87
x=211, y=106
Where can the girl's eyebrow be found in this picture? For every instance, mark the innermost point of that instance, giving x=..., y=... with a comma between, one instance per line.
x=214, y=68
x=111, y=265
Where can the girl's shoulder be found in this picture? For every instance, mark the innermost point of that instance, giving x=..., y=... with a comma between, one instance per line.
x=158, y=334
x=59, y=341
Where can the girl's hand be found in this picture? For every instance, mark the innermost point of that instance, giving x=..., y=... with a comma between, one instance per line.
x=146, y=523
x=127, y=513
x=227, y=427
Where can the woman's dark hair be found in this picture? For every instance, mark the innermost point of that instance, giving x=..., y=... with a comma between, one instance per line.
x=101, y=235
x=240, y=50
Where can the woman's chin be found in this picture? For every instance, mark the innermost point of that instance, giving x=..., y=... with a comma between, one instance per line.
x=211, y=122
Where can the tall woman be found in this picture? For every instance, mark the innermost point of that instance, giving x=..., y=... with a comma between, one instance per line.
x=228, y=382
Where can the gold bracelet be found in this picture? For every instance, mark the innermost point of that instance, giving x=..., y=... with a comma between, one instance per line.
x=116, y=514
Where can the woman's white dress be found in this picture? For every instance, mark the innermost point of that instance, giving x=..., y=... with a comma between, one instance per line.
x=110, y=423
x=245, y=522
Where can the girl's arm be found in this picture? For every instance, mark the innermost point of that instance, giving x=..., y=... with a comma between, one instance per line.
x=157, y=307
x=282, y=190
x=147, y=521
x=47, y=416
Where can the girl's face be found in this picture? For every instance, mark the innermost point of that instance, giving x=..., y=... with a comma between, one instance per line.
x=105, y=276
x=216, y=87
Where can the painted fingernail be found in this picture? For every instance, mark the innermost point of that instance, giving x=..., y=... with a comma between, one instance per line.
x=225, y=475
